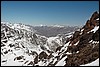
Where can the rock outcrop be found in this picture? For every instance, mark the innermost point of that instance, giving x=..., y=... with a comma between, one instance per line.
x=88, y=51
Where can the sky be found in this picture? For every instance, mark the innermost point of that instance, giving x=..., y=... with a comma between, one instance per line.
x=73, y=13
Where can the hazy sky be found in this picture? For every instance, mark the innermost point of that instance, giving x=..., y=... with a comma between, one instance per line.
x=48, y=12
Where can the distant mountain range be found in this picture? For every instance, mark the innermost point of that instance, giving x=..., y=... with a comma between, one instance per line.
x=54, y=30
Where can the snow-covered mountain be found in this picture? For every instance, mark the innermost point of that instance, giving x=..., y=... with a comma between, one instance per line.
x=19, y=40
x=22, y=46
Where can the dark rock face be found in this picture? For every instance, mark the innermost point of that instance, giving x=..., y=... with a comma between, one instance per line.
x=76, y=34
x=19, y=58
x=94, y=16
x=31, y=63
x=88, y=51
x=85, y=55
x=86, y=38
x=90, y=24
x=36, y=56
x=43, y=55
x=96, y=36
x=72, y=49
x=59, y=48
x=75, y=38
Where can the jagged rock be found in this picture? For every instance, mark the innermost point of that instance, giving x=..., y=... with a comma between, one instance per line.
x=6, y=52
x=36, y=60
x=50, y=56
x=2, y=45
x=35, y=55
x=75, y=40
x=94, y=16
x=96, y=36
x=68, y=39
x=88, y=52
x=72, y=49
x=11, y=45
x=84, y=56
x=4, y=61
x=86, y=38
x=43, y=55
x=31, y=63
x=43, y=47
x=19, y=58
x=5, y=41
x=76, y=34
x=59, y=48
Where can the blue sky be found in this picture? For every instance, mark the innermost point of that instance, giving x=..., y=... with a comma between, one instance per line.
x=48, y=12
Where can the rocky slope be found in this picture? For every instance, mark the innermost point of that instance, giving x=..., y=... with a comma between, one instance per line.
x=21, y=46
x=84, y=44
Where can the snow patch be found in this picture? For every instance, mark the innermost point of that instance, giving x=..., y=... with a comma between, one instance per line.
x=94, y=63
x=61, y=62
x=95, y=29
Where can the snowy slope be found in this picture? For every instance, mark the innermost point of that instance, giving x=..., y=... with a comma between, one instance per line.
x=94, y=63
x=18, y=41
